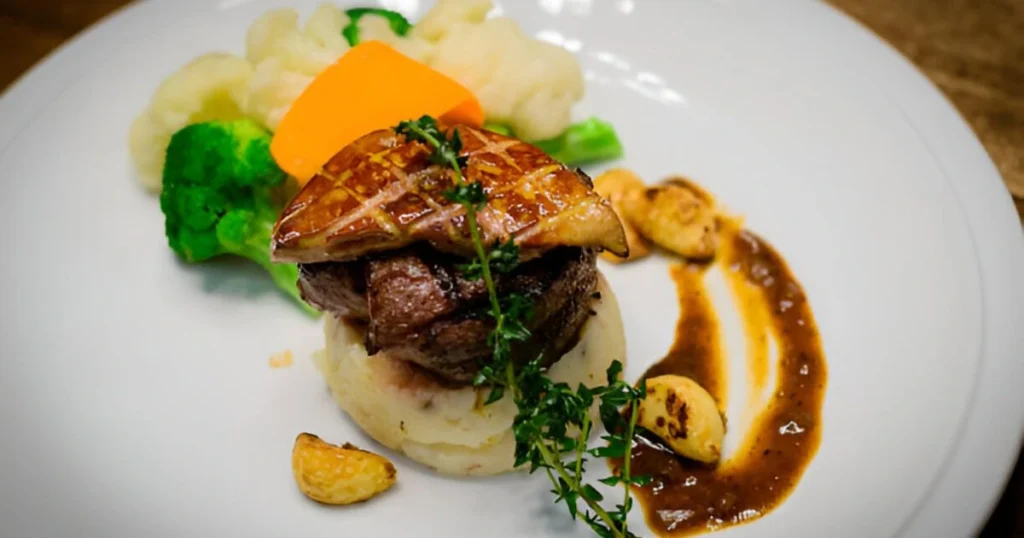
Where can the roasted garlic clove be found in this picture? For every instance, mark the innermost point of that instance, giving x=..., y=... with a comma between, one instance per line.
x=339, y=475
x=677, y=217
x=685, y=416
x=624, y=190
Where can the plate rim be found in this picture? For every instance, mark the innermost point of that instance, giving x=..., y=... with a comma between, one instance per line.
x=955, y=146
x=959, y=146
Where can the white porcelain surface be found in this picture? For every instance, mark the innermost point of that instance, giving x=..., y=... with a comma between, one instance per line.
x=136, y=399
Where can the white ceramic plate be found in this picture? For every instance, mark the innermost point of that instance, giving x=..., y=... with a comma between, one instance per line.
x=136, y=399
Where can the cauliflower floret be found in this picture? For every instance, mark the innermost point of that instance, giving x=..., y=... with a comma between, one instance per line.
x=527, y=84
x=287, y=58
x=210, y=87
x=325, y=27
x=265, y=35
x=272, y=90
x=377, y=28
x=449, y=15
x=277, y=35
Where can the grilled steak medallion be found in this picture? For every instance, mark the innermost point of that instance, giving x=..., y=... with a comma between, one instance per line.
x=418, y=307
x=382, y=193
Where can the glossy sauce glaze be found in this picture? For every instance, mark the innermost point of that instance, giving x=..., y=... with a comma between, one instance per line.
x=686, y=497
x=700, y=356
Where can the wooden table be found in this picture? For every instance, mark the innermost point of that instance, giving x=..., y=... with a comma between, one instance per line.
x=973, y=50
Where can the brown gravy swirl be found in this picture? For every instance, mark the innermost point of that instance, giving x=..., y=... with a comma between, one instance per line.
x=700, y=355
x=686, y=497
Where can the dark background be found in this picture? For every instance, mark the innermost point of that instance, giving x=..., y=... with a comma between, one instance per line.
x=973, y=50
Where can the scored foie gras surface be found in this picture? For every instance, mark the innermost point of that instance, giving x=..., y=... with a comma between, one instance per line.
x=382, y=193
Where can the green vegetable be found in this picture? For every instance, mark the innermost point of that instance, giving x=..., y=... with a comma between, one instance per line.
x=499, y=128
x=545, y=411
x=398, y=23
x=222, y=194
x=584, y=142
x=581, y=143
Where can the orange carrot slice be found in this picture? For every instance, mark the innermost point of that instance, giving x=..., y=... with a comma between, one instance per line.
x=372, y=86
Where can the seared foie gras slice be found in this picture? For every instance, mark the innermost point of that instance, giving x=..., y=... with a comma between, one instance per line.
x=382, y=193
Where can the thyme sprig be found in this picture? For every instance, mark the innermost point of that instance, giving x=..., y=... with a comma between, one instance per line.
x=553, y=422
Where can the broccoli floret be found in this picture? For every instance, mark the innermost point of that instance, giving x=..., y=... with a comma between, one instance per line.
x=588, y=141
x=499, y=128
x=585, y=142
x=221, y=196
x=398, y=23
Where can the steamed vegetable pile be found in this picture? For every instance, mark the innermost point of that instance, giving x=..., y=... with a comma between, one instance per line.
x=205, y=137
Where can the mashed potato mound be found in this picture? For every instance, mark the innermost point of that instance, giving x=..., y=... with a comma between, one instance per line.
x=449, y=429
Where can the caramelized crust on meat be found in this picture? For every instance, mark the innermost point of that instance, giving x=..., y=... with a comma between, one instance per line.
x=382, y=193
